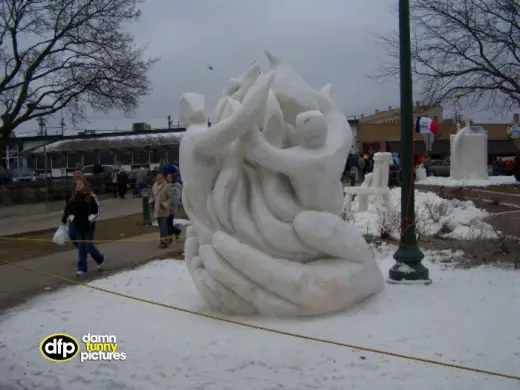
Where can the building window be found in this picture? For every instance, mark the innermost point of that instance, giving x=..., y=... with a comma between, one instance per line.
x=140, y=156
x=73, y=160
x=59, y=161
x=31, y=162
x=106, y=157
x=173, y=154
x=124, y=157
x=40, y=162
x=156, y=156
x=90, y=158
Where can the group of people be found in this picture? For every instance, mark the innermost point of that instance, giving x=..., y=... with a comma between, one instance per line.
x=119, y=182
x=359, y=165
x=82, y=210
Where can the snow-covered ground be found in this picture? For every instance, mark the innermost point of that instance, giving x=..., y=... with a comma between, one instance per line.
x=448, y=182
x=433, y=214
x=465, y=317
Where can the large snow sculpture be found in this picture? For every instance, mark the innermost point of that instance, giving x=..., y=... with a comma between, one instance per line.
x=469, y=155
x=262, y=189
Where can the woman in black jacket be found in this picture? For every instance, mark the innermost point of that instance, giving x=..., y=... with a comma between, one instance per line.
x=81, y=212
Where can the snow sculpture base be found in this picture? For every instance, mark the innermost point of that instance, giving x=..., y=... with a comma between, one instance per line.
x=469, y=156
x=375, y=184
x=263, y=193
x=420, y=174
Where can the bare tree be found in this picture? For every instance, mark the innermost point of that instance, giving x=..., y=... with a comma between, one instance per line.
x=463, y=48
x=67, y=54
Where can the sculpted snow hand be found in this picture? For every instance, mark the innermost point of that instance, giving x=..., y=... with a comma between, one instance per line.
x=262, y=189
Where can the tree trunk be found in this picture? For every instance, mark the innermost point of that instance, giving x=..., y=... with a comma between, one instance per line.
x=5, y=132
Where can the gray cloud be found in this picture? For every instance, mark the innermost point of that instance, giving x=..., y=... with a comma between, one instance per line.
x=327, y=41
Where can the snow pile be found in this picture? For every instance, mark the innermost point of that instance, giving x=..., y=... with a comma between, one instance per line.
x=460, y=319
x=454, y=218
x=448, y=182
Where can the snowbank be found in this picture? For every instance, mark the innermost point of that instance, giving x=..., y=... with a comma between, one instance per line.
x=459, y=319
x=448, y=182
x=450, y=218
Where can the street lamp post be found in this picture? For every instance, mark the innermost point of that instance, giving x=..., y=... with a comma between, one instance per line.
x=408, y=267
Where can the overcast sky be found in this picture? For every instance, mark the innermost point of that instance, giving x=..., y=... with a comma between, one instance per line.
x=324, y=41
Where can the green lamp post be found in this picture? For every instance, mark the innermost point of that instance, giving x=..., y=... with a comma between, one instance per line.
x=408, y=268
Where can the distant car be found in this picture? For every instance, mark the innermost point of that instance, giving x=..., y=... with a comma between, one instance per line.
x=439, y=168
x=88, y=170
x=23, y=175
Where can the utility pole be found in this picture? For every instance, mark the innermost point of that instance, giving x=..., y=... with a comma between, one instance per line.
x=169, y=121
x=41, y=125
x=408, y=268
x=62, y=125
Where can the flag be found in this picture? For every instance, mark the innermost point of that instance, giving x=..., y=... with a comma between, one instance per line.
x=425, y=125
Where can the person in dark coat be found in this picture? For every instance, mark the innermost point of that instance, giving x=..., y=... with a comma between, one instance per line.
x=122, y=183
x=81, y=212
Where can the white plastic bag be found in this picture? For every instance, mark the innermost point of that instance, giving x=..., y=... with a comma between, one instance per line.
x=61, y=236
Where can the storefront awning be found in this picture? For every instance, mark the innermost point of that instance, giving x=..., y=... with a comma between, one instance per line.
x=111, y=143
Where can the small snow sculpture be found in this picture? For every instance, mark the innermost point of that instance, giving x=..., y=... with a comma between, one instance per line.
x=263, y=192
x=469, y=154
x=375, y=184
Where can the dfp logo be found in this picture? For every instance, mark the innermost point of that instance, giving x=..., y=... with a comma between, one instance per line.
x=59, y=347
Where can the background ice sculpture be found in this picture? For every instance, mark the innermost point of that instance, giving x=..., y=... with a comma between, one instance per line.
x=262, y=189
x=468, y=158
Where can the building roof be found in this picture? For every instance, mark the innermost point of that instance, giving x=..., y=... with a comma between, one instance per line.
x=129, y=141
x=417, y=109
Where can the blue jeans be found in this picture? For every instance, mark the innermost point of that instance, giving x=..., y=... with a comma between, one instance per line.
x=163, y=227
x=140, y=189
x=85, y=247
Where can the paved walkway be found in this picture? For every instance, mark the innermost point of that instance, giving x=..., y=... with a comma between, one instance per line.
x=35, y=221
x=17, y=285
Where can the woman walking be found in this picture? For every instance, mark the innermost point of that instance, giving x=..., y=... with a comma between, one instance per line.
x=176, y=185
x=81, y=212
x=160, y=202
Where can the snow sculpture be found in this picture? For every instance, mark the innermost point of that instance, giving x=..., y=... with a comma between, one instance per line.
x=263, y=192
x=375, y=184
x=469, y=153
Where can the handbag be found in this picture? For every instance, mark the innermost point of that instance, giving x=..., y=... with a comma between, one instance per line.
x=152, y=203
x=61, y=236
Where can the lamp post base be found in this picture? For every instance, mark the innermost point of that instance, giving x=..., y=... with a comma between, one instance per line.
x=408, y=268
x=406, y=273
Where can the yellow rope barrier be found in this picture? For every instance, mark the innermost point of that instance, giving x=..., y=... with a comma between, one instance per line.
x=271, y=330
x=121, y=240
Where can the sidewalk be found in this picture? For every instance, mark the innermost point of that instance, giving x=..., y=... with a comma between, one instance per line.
x=31, y=221
x=17, y=285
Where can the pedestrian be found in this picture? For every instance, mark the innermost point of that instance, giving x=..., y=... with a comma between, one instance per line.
x=71, y=190
x=160, y=202
x=176, y=185
x=122, y=183
x=169, y=169
x=115, y=188
x=81, y=212
x=361, y=166
x=141, y=180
